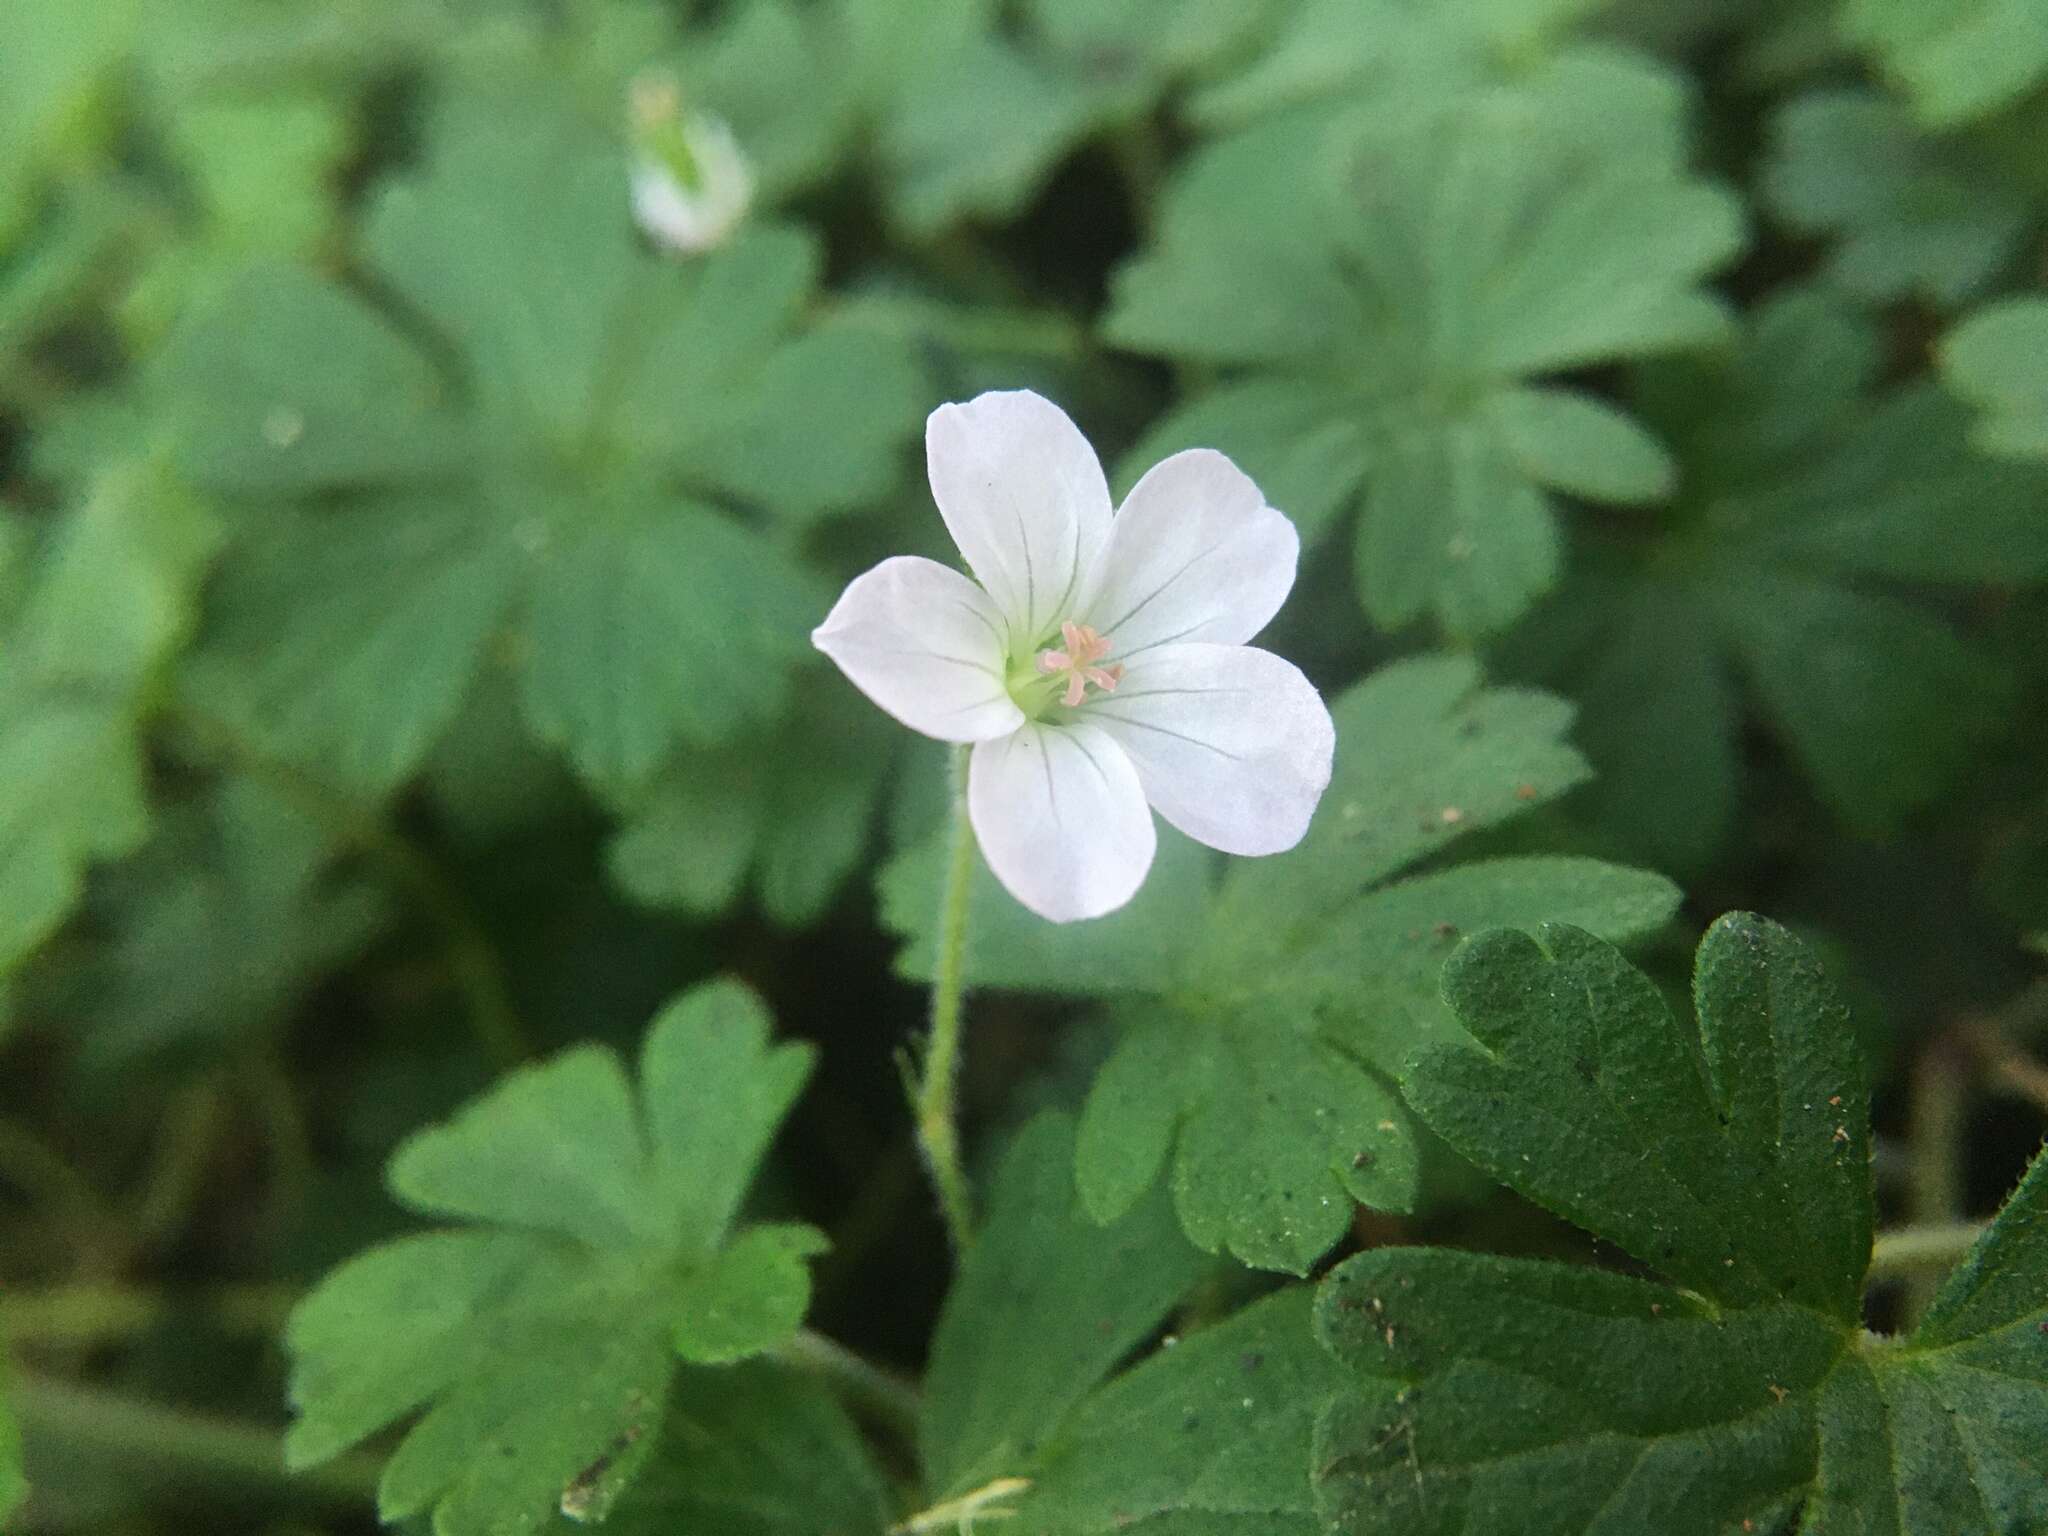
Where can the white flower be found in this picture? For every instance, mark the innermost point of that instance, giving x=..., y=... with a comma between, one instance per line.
x=1100, y=664
x=691, y=185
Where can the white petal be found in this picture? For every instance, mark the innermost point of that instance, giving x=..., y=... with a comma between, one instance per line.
x=1061, y=819
x=1024, y=498
x=1231, y=743
x=926, y=644
x=1194, y=554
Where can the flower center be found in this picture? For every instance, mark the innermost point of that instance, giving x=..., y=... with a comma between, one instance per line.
x=1065, y=675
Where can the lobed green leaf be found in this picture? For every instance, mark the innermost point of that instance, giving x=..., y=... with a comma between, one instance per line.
x=541, y=1340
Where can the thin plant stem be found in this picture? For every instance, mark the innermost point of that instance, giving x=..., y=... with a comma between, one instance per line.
x=169, y=1444
x=938, y=1131
x=1940, y=1090
x=1922, y=1250
x=883, y=1396
x=92, y=1315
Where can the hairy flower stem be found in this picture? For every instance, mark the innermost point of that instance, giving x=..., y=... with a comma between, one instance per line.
x=938, y=1131
x=1931, y=1250
x=1938, y=1111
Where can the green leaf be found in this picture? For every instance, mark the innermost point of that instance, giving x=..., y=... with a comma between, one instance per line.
x=1261, y=1014
x=578, y=483
x=1738, y=1164
x=346, y=640
x=1573, y=442
x=108, y=601
x=1275, y=1133
x=1944, y=1432
x=58, y=61
x=252, y=419
x=1520, y=1397
x=1389, y=304
x=979, y=103
x=1540, y=1399
x=1545, y=1399
x=1211, y=1435
x=790, y=810
x=1957, y=59
x=977, y=129
x=208, y=937
x=1852, y=681
x=264, y=176
x=1998, y=361
x=1910, y=214
x=597, y=1246
x=750, y=1450
x=440, y=236
x=1045, y=1305
x=689, y=621
x=1389, y=52
x=1780, y=579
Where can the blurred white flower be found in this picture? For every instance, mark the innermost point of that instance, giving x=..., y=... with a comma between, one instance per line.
x=691, y=184
x=1099, y=666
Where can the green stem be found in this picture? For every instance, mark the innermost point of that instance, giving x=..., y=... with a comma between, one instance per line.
x=91, y=1316
x=1934, y=1192
x=938, y=1132
x=101, y=1428
x=470, y=956
x=885, y=1397
x=1918, y=1250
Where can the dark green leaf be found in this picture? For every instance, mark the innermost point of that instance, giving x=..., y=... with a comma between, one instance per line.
x=1736, y=1162
x=1805, y=500
x=1541, y=1399
x=541, y=1339
x=1518, y=1397
x=1210, y=1437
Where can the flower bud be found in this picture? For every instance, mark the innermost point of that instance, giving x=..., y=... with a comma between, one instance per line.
x=691, y=185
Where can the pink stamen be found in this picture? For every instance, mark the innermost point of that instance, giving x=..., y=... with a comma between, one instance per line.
x=1084, y=647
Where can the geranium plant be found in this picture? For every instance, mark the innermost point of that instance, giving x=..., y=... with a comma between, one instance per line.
x=928, y=767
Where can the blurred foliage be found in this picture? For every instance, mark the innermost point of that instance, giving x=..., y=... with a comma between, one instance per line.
x=405, y=574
